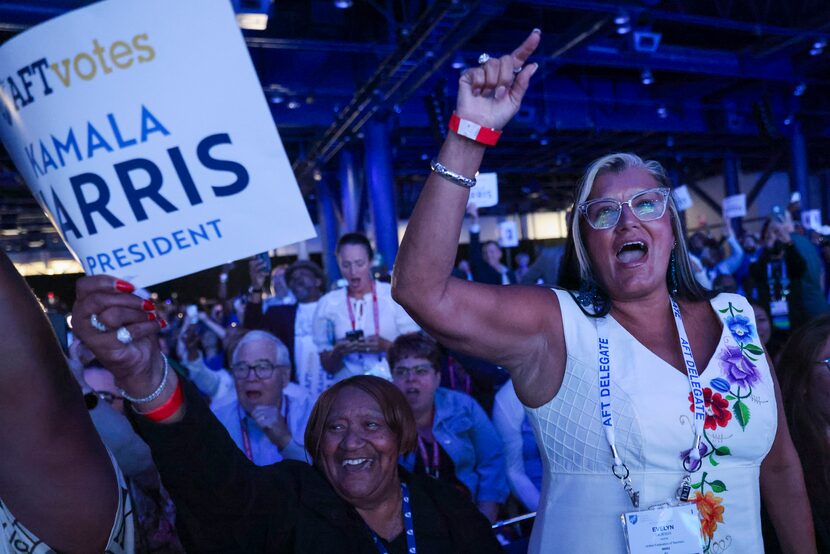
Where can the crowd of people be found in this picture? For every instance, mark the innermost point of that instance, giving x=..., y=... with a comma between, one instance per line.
x=309, y=414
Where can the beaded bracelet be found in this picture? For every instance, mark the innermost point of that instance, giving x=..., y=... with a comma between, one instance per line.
x=156, y=393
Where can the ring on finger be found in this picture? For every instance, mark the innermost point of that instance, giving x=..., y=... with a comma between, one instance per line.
x=123, y=335
x=483, y=58
x=96, y=324
x=517, y=70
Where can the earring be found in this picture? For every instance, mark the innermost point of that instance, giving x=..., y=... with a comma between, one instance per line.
x=673, y=269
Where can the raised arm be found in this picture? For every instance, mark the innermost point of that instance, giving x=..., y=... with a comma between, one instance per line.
x=519, y=328
x=218, y=493
x=55, y=475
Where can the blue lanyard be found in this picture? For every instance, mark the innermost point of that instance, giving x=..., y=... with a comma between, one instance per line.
x=605, y=375
x=409, y=527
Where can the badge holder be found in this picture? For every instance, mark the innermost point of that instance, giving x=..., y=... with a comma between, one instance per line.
x=662, y=529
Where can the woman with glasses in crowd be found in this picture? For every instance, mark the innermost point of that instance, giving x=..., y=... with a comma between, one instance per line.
x=457, y=442
x=804, y=370
x=641, y=389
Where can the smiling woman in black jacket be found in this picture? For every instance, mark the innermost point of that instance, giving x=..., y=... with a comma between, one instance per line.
x=354, y=498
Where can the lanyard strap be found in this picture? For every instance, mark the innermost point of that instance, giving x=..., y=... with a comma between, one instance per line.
x=243, y=425
x=375, y=309
x=431, y=468
x=785, y=283
x=408, y=526
x=605, y=375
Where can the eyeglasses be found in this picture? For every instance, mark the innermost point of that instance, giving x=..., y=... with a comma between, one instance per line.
x=262, y=369
x=647, y=205
x=418, y=371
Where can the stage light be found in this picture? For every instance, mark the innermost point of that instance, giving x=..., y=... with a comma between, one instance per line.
x=800, y=88
x=458, y=62
x=343, y=4
x=252, y=14
x=622, y=18
x=662, y=112
x=293, y=105
x=624, y=29
x=646, y=77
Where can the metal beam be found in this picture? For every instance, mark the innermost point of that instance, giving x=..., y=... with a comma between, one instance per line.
x=442, y=28
x=769, y=170
x=705, y=197
x=677, y=17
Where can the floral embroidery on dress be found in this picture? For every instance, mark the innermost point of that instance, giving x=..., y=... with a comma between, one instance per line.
x=724, y=401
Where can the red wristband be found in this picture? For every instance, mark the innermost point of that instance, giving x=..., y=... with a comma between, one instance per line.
x=169, y=407
x=473, y=131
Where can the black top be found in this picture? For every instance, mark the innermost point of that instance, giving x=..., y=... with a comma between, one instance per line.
x=224, y=503
x=482, y=271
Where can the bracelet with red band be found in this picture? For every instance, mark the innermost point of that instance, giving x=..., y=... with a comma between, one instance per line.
x=168, y=408
x=473, y=131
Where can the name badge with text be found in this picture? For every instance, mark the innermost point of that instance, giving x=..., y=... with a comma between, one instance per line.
x=669, y=529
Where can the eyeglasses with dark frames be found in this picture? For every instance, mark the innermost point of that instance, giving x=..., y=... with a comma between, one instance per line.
x=418, y=371
x=263, y=369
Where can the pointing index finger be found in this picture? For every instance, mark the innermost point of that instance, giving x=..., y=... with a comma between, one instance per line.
x=524, y=51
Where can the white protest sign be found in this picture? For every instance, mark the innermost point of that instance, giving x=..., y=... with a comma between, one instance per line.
x=811, y=219
x=142, y=130
x=682, y=198
x=486, y=192
x=508, y=234
x=734, y=206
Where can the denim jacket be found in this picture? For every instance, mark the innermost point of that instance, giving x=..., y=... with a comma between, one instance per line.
x=466, y=434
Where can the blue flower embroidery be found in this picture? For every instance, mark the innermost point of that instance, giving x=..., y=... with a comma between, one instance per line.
x=719, y=384
x=740, y=327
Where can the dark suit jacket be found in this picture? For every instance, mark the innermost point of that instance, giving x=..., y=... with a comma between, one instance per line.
x=226, y=504
x=482, y=271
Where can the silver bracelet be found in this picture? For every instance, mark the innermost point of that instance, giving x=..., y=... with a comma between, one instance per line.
x=451, y=176
x=153, y=395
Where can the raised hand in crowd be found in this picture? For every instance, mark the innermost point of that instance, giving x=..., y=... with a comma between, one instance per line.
x=133, y=357
x=258, y=273
x=272, y=422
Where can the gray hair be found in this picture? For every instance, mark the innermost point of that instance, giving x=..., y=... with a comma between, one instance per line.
x=281, y=355
x=687, y=285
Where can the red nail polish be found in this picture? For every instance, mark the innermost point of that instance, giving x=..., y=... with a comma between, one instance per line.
x=123, y=286
x=151, y=316
x=148, y=306
x=162, y=323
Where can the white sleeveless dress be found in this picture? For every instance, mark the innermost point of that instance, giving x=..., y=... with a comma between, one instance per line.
x=582, y=501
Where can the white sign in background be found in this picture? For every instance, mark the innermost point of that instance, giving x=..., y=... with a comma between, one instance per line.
x=508, y=234
x=734, y=206
x=142, y=130
x=682, y=199
x=486, y=192
x=811, y=219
